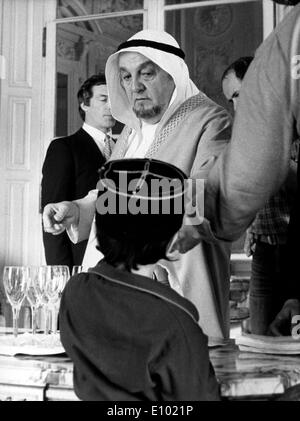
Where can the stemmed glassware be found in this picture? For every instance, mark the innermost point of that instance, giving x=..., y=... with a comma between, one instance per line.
x=59, y=275
x=40, y=289
x=15, y=286
x=49, y=285
x=32, y=296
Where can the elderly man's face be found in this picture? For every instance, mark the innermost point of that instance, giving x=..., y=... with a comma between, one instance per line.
x=148, y=87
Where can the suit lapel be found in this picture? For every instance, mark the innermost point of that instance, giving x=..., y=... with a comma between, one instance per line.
x=91, y=144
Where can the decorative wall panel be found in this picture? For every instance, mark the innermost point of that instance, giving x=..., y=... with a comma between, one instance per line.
x=21, y=124
x=16, y=216
x=19, y=133
x=21, y=43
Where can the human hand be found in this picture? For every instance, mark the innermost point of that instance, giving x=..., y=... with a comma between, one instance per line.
x=59, y=216
x=187, y=238
x=282, y=324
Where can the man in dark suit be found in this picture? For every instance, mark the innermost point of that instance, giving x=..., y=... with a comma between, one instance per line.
x=70, y=169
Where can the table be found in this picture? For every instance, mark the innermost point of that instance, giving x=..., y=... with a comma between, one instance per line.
x=253, y=376
x=242, y=376
x=34, y=378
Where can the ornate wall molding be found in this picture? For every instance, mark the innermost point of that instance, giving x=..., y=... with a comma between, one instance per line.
x=17, y=243
x=214, y=20
x=18, y=145
x=21, y=35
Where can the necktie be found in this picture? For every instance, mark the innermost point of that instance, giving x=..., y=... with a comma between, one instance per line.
x=107, y=146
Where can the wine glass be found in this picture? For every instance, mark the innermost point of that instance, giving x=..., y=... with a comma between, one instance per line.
x=39, y=282
x=59, y=276
x=50, y=283
x=76, y=269
x=32, y=296
x=15, y=286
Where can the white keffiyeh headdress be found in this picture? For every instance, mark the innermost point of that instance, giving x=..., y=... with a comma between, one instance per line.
x=161, y=48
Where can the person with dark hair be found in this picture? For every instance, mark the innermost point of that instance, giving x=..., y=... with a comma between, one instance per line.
x=130, y=337
x=232, y=79
x=239, y=67
x=266, y=237
x=71, y=165
x=85, y=92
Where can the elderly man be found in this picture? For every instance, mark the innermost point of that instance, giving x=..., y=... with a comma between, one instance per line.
x=167, y=118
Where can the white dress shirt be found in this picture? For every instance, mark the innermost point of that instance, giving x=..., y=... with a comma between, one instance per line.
x=97, y=135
